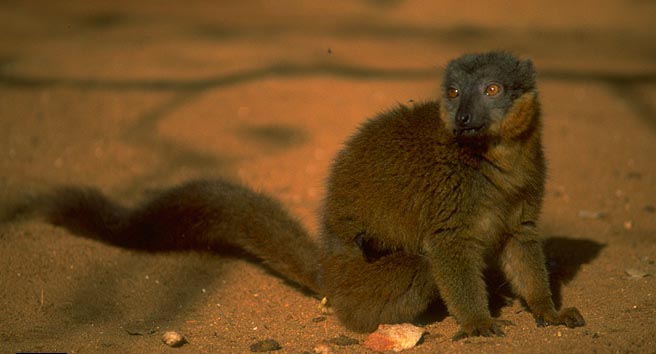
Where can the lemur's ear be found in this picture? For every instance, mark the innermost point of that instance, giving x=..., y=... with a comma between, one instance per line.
x=526, y=65
x=526, y=72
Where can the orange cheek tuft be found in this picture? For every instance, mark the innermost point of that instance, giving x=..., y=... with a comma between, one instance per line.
x=520, y=117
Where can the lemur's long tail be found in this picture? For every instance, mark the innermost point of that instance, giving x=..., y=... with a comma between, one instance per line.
x=200, y=215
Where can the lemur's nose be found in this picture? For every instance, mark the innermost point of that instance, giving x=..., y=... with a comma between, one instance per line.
x=463, y=120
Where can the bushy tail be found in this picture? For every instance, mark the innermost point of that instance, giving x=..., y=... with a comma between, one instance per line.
x=200, y=215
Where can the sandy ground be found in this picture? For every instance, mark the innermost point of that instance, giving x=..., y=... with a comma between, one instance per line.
x=136, y=96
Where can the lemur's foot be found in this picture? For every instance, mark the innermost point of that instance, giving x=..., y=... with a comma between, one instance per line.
x=570, y=317
x=489, y=328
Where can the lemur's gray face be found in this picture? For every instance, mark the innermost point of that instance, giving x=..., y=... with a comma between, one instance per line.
x=479, y=90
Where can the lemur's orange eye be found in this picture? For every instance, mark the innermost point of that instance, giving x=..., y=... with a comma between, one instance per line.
x=452, y=92
x=492, y=89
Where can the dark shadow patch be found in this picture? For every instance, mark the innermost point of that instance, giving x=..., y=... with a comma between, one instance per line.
x=219, y=32
x=565, y=256
x=274, y=136
x=435, y=312
x=192, y=85
x=13, y=210
x=385, y=3
x=454, y=34
x=640, y=104
x=216, y=32
x=499, y=292
x=102, y=20
x=355, y=29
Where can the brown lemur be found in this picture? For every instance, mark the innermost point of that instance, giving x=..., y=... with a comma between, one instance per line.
x=420, y=201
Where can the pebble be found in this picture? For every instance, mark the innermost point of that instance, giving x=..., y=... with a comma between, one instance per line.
x=324, y=307
x=322, y=348
x=173, y=339
x=267, y=345
x=397, y=337
x=635, y=273
x=328, y=346
x=343, y=341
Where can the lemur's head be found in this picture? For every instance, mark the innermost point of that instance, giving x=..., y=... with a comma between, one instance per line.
x=482, y=94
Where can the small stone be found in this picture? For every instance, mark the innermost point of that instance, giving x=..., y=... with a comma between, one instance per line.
x=343, y=341
x=628, y=225
x=173, y=339
x=324, y=307
x=322, y=348
x=267, y=345
x=635, y=273
x=319, y=319
x=396, y=337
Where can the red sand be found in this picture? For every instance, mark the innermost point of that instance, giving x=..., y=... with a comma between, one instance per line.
x=135, y=97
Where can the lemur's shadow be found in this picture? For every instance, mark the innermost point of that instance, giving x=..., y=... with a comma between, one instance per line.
x=564, y=256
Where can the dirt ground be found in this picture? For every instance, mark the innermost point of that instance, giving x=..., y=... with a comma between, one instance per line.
x=137, y=96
